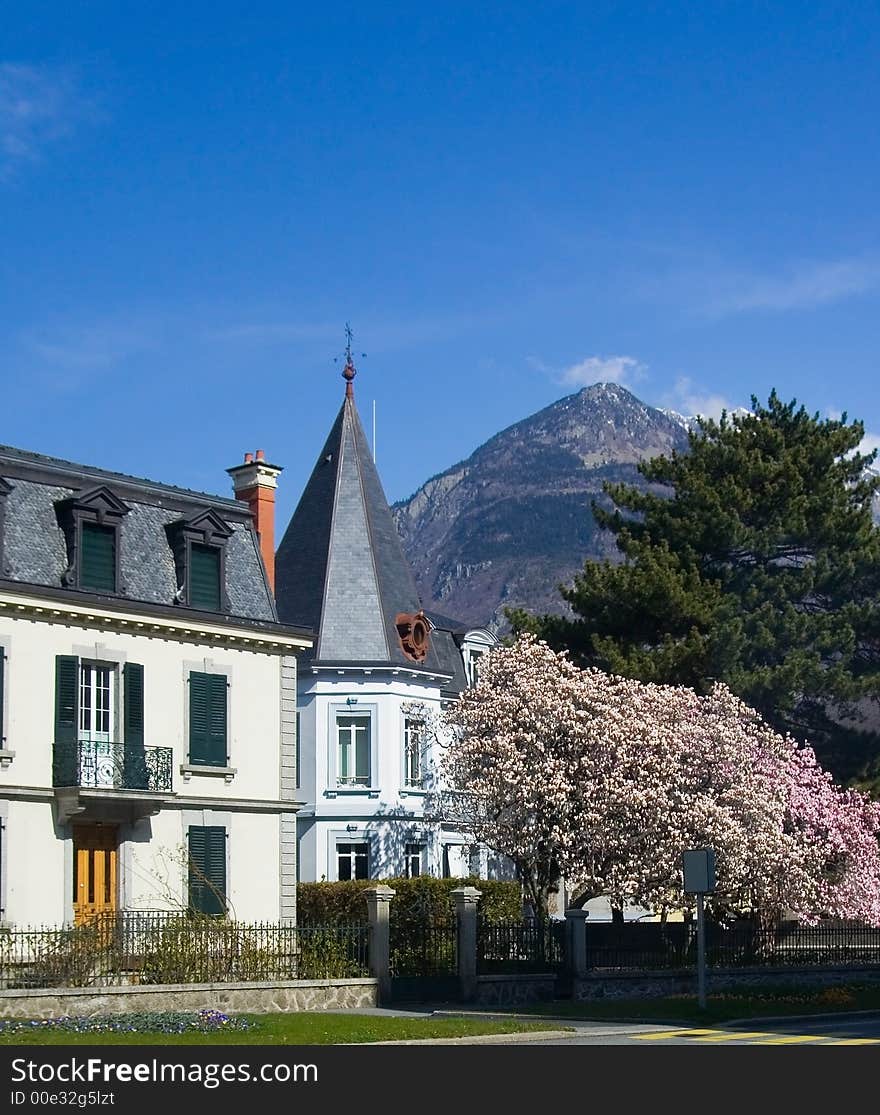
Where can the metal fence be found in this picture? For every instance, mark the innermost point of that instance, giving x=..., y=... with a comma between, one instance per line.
x=531, y=946
x=423, y=949
x=651, y=945
x=147, y=947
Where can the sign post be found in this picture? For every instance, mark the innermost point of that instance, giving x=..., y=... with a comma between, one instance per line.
x=698, y=868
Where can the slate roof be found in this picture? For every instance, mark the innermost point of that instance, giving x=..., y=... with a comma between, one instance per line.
x=340, y=569
x=33, y=545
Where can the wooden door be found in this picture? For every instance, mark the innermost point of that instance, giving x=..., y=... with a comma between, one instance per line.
x=94, y=871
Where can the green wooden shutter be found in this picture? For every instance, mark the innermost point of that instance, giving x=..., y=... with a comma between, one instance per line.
x=65, y=760
x=198, y=718
x=217, y=722
x=98, y=558
x=204, y=577
x=134, y=756
x=207, y=719
x=207, y=869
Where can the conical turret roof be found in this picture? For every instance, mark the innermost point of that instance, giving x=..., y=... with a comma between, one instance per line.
x=340, y=569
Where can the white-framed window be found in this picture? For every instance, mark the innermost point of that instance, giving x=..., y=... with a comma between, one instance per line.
x=456, y=861
x=97, y=701
x=414, y=734
x=353, y=747
x=414, y=860
x=473, y=666
x=475, y=645
x=353, y=860
x=96, y=723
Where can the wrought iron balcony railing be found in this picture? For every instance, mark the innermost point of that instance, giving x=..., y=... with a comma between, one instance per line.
x=111, y=766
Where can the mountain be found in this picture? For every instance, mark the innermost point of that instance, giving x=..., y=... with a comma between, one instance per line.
x=508, y=525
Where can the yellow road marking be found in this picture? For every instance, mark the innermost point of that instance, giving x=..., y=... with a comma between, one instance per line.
x=734, y=1035
x=673, y=1034
x=754, y=1037
x=796, y=1039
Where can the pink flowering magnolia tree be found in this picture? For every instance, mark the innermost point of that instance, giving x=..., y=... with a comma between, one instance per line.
x=604, y=781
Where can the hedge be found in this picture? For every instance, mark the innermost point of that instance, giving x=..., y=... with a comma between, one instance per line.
x=421, y=899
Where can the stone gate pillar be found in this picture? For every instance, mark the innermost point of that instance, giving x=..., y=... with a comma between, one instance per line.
x=576, y=942
x=466, y=899
x=378, y=901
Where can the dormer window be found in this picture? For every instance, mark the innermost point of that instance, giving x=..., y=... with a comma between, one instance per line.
x=199, y=546
x=474, y=646
x=204, y=577
x=97, y=558
x=92, y=523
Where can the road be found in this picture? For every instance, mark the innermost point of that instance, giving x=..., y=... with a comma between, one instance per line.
x=849, y=1030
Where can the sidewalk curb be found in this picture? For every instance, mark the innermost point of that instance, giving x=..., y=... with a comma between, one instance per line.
x=477, y=1039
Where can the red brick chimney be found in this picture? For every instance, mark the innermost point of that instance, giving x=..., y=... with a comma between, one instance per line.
x=254, y=483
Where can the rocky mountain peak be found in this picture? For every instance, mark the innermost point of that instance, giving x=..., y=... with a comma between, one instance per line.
x=511, y=522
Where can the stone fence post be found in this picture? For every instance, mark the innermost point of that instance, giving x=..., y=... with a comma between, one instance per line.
x=378, y=899
x=466, y=899
x=576, y=942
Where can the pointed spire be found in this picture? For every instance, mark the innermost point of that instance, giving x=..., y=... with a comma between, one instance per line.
x=341, y=569
x=349, y=371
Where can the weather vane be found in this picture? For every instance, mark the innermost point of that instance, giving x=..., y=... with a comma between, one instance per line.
x=349, y=371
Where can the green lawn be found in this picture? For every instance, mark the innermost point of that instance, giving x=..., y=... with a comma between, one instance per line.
x=306, y=1028
x=723, y=1007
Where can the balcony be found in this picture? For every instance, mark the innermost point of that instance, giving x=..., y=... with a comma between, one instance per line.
x=109, y=781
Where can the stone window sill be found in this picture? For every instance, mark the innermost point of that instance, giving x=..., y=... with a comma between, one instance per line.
x=189, y=769
x=347, y=791
x=414, y=791
x=6, y=758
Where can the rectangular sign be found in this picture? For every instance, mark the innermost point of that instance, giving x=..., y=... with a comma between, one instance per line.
x=698, y=866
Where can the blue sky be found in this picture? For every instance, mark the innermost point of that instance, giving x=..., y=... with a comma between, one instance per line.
x=507, y=202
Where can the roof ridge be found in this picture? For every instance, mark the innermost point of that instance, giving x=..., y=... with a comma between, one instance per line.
x=11, y=453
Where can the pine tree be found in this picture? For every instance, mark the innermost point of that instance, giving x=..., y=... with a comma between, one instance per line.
x=751, y=559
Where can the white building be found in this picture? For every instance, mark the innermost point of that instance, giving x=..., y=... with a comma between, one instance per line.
x=147, y=699
x=377, y=676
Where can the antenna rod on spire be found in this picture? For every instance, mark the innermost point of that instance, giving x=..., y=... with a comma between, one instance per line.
x=374, y=431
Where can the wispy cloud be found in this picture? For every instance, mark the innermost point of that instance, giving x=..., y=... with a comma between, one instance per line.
x=689, y=400
x=594, y=369
x=39, y=106
x=802, y=287
x=869, y=443
x=373, y=331
x=66, y=357
x=275, y=331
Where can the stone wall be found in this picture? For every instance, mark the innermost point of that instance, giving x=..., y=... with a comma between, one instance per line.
x=237, y=998
x=646, y=985
x=507, y=990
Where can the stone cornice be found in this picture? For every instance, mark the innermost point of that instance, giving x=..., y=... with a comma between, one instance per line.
x=168, y=801
x=391, y=669
x=50, y=608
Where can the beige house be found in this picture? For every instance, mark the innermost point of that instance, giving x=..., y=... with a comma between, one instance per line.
x=147, y=698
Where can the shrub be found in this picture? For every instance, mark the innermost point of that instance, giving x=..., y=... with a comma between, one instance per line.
x=420, y=899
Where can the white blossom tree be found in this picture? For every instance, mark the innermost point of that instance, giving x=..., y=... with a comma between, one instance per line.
x=605, y=781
